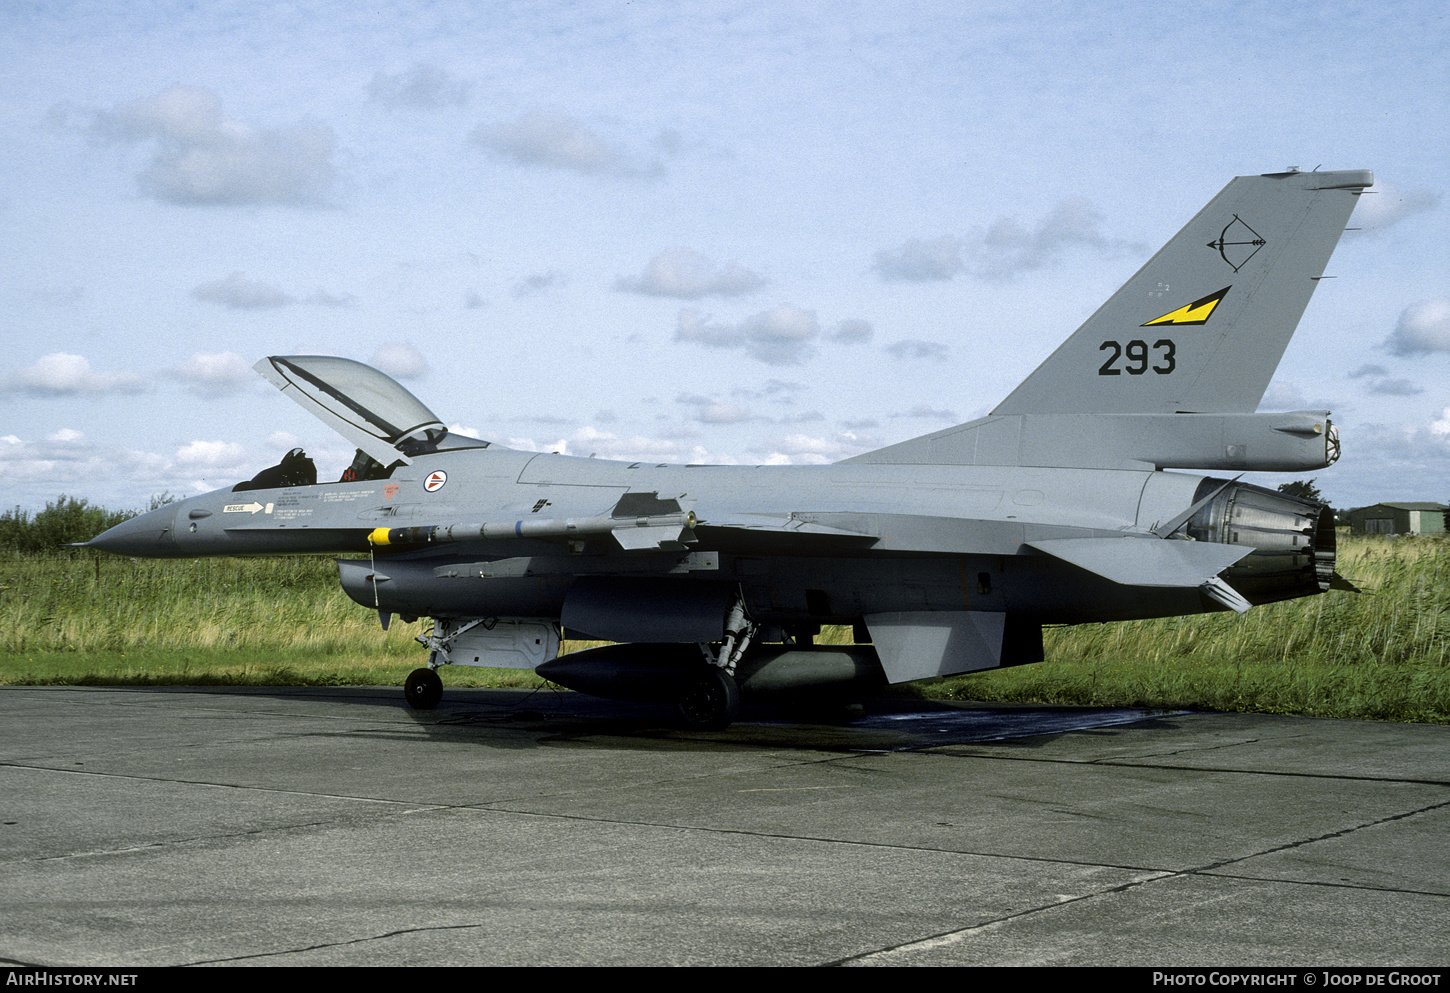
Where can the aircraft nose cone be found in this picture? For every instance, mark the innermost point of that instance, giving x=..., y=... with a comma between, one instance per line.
x=148, y=535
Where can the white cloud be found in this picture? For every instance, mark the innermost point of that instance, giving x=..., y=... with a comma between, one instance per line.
x=852, y=331
x=781, y=335
x=1441, y=428
x=1395, y=388
x=65, y=460
x=399, y=360
x=685, y=273
x=538, y=283
x=931, y=414
x=1423, y=327
x=1386, y=205
x=211, y=454
x=1400, y=462
x=204, y=157
x=804, y=449
x=423, y=87
x=915, y=348
x=283, y=441
x=709, y=410
x=723, y=413
x=552, y=139
x=1005, y=249
x=922, y=260
x=530, y=445
x=1369, y=369
x=780, y=391
x=1282, y=396
x=239, y=292
x=216, y=374
x=1381, y=383
x=1008, y=249
x=63, y=374
x=590, y=441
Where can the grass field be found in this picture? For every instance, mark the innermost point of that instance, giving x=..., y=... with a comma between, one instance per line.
x=1382, y=655
x=75, y=618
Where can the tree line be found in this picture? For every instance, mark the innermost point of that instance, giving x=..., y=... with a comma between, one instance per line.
x=62, y=522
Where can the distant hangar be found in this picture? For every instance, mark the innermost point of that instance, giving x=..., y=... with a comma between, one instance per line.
x=1399, y=518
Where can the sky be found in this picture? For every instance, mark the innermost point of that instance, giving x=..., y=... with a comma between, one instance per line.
x=721, y=231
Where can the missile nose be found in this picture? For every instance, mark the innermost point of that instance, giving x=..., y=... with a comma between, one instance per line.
x=148, y=535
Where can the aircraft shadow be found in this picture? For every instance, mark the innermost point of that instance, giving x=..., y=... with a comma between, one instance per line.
x=512, y=718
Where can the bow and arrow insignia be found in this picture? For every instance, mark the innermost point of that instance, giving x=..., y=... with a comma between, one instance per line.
x=1244, y=246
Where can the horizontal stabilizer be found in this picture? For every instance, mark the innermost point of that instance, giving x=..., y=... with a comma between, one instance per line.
x=1145, y=561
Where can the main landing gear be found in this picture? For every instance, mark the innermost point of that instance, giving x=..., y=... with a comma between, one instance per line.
x=710, y=701
x=711, y=698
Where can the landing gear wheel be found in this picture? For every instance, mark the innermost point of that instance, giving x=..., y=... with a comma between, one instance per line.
x=423, y=689
x=710, y=702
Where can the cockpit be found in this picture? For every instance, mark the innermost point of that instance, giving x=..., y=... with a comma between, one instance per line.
x=388, y=424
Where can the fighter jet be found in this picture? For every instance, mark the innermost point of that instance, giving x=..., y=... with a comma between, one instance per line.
x=944, y=554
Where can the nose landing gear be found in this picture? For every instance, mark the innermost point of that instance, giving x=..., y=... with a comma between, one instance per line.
x=423, y=689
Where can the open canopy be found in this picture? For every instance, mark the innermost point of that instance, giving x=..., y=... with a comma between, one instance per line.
x=360, y=403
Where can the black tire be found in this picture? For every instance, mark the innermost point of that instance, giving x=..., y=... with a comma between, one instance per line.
x=710, y=702
x=423, y=689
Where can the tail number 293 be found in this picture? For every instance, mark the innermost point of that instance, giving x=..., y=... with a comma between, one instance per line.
x=1135, y=357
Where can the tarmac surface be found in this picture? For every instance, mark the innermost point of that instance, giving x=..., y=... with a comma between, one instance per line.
x=207, y=826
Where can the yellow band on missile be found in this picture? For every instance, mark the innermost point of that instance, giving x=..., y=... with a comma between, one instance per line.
x=379, y=536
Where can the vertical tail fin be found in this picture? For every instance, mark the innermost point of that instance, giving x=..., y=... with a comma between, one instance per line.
x=1202, y=326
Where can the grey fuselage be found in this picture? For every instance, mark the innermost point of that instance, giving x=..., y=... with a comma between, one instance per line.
x=806, y=544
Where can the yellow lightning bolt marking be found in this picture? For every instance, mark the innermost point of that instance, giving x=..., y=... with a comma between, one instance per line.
x=1196, y=312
